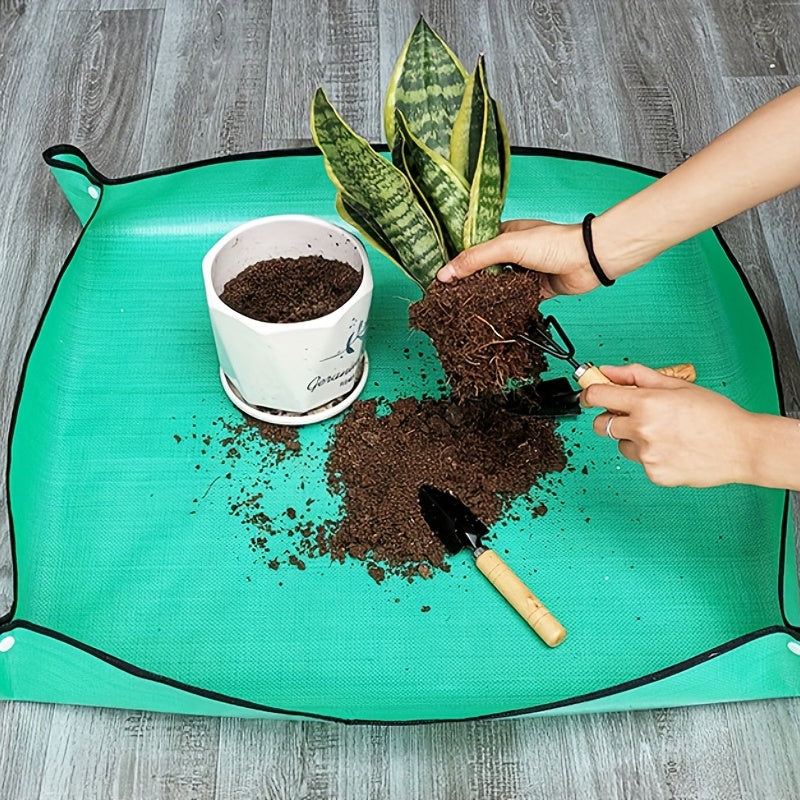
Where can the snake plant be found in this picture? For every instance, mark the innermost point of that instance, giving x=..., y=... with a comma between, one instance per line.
x=443, y=189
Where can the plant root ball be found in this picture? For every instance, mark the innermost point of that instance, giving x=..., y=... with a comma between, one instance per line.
x=473, y=324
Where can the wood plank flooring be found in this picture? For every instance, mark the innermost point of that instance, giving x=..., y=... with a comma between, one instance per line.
x=143, y=84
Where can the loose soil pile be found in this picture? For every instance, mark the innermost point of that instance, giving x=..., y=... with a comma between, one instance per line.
x=291, y=289
x=376, y=462
x=473, y=324
x=482, y=453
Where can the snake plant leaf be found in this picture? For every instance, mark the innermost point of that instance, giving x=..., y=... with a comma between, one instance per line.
x=467, y=134
x=375, y=184
x=360, y=218
x=504, y=147
x=400, y=159
x=485, y=198
x=426, y=86
x=446, y=191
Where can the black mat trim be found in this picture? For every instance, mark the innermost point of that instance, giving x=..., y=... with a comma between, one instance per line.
x=208, y=694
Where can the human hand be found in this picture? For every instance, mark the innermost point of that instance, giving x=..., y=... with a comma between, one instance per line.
x=554, y=250
x=681, y=433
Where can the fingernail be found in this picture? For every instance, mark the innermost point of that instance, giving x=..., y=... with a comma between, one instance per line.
x=446, y=274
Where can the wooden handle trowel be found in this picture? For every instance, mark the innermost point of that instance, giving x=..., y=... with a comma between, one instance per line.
x=458, y=527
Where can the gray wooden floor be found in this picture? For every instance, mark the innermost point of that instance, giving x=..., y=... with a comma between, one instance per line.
x=143, y=84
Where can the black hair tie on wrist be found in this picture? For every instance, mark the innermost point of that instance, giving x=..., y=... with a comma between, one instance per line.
x=595, y=264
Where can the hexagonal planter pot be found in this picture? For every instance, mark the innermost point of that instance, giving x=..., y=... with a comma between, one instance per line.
x=289, y=373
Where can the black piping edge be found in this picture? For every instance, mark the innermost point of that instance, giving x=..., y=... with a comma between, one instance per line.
x=208, y=694
x=782, y=408
x=6, y=620
x=51, y=153
x=782, y=567
x=6, y=617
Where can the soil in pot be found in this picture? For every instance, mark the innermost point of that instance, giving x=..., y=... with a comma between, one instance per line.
x=473, y=322
x=291, y=289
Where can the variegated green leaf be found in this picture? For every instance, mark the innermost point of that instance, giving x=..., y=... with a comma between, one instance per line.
x=437, y=180
x=373, y=183
x=426, y=87
x=400, y=158
x=485, y=197
x=504, y=147
x=360, y=218
x=467, y=135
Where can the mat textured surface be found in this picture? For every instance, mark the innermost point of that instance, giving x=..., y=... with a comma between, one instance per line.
x=137, y=587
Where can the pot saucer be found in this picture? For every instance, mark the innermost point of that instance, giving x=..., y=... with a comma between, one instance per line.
x=276, y=417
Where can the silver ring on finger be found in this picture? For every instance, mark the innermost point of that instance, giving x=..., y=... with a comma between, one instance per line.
x=608, y=428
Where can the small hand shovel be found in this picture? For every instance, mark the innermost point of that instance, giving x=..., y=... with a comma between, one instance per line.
x=458, y=527
x=555, y=397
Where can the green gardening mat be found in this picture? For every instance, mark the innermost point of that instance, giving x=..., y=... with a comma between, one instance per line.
x=139, y=582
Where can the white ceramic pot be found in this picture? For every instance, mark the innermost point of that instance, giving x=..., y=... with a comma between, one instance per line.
x=297, y=372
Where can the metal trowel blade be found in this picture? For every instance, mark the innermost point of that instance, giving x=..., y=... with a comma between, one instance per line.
x=450, y=519
x=556, y=397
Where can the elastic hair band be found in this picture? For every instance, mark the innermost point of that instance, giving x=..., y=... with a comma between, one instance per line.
x=595, y=264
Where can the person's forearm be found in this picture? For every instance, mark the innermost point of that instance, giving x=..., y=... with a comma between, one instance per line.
x=757, y=159
x=774, y=444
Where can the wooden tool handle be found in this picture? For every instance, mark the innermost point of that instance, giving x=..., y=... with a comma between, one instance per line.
x=686, y=372
x=591, y=374
x=521, y=598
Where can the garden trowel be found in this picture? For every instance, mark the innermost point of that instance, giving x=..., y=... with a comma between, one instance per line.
x=458, y=527
x=555, y=397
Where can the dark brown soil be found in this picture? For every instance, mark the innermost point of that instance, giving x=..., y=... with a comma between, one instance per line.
x=476, y=449
x=277, y=434
x=291, y=289
x=376, y=463
x=472, y=324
